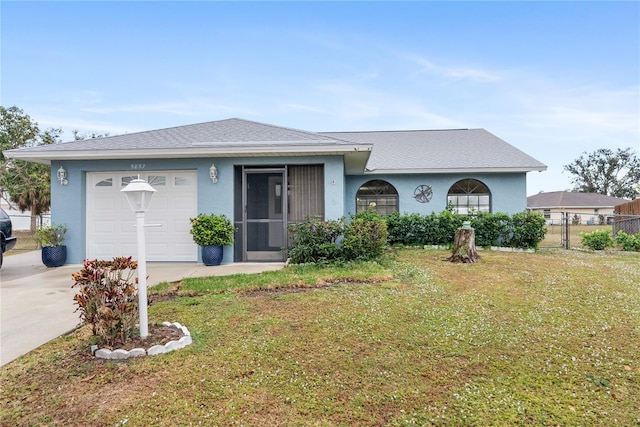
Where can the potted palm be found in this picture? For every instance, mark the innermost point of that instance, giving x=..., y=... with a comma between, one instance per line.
x=51, y=238
x=212, y=232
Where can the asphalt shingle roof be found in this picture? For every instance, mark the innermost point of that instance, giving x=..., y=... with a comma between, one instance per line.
x=420, y=151
x=569, y=199
x=229, y=132
x=439, y=150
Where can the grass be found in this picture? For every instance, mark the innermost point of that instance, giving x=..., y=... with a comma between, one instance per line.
x=550, y=338
x=24, y=243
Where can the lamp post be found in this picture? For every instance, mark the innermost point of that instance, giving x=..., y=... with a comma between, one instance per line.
x=139, y=193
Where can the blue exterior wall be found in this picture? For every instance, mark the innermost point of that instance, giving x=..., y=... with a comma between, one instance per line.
x=508, y=191
x=68, y=202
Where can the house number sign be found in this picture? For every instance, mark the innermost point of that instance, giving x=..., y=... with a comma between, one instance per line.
x=138, y=166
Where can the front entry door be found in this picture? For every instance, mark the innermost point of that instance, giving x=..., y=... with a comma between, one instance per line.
x=264, y=214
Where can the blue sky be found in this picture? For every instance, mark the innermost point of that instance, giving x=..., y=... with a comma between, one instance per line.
x=554, y=79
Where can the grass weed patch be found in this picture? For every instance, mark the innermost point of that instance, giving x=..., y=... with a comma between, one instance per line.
x=550, y=338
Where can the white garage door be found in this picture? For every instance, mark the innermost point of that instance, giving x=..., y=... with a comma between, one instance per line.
x=111, y=228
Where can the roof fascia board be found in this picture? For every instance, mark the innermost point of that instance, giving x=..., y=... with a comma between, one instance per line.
x=454, y=170
x=563, y=207
x=46, y=157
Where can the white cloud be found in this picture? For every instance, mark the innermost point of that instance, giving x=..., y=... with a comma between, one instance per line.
x=474, y=74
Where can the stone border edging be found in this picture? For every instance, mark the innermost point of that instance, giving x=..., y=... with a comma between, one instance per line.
x=121, y=354
x=480, y=248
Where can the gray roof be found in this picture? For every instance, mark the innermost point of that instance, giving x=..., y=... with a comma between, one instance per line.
x=468, y=150
x=569, y=199
x=421, y=151
x=222, y=133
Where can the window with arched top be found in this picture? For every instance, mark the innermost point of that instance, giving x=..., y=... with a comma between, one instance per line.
x=379, y=195
x=468, y=196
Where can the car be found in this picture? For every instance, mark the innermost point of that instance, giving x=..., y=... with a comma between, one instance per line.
x=6, y=228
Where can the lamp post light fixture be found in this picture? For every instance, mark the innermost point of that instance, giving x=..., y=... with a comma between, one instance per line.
x=139, y=193
x=62, y=176
x=213, y=173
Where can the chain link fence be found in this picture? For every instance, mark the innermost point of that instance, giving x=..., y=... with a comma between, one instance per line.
x=564, y=227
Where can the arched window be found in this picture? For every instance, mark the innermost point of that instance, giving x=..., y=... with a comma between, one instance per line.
x=379, y=195
x=469, y=195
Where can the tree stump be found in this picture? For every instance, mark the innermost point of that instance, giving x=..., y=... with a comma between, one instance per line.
x=464, y=246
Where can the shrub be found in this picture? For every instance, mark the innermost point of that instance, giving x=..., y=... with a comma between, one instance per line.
x=50, y=235
x=212, y=230
x=528, y=230
x=365, y=238
x=575, y=220
x=629, y=242
x=492, y=229
x=107, y=298
x=522, y=230
x=315, y=240
x=597, y=240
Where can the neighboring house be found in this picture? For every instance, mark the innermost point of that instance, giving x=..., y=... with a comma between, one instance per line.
x=265, y=177
x=584, y=208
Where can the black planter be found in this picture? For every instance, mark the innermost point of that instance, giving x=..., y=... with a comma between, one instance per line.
x=212, y=255
x=54, y=256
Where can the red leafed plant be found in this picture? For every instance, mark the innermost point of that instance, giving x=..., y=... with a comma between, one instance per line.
x=107, y=298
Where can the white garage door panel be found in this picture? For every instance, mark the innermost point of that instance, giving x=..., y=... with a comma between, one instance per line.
x=128, y=250
x=104, y=227
x=111, y=227
x=103, y=251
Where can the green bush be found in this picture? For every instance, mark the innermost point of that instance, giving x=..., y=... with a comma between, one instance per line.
x=521, y=230
x=492, y=229
x=212, y=230
x=315, y=240
x=629, y=242
x=417, y=229
x=107, y=298
x=50, y=235
x=365, y=238
x=597, y=240
x=528, y=230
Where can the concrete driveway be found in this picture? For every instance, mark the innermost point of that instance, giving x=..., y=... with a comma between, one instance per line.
x=36, y=302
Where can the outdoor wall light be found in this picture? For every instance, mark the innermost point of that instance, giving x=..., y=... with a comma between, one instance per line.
x=62, y=176
x=213, y=173
x=138, y=193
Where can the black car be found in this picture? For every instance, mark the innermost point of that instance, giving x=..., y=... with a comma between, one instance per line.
x=6, y=241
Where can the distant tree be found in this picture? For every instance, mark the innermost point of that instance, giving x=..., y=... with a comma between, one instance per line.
x=77, y=136
x=28, y=184
x=606, y=172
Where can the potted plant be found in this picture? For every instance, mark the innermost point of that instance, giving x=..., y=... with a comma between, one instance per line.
x=50, y=238
x=212, y=232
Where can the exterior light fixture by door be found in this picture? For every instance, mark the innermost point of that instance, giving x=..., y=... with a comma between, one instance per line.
x=62, y=176
x=139, y=193
x=213, y=173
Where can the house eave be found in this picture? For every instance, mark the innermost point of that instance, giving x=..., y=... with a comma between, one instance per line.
x=200, y=151
x=455, y=170
x=564, y=208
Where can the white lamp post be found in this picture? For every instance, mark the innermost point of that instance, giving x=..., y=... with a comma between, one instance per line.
x=139, y=193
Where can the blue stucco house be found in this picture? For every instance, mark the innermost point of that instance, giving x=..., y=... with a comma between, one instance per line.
x=265, y=177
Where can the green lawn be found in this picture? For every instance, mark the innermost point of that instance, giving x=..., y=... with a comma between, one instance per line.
x=551, y=338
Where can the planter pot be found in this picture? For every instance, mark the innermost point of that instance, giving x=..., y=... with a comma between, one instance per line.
x=54, y=256
x=212, y=255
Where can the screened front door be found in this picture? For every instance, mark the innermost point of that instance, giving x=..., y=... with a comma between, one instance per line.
x=264, y=226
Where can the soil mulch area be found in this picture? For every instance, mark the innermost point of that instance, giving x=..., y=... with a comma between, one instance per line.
x=158, y=335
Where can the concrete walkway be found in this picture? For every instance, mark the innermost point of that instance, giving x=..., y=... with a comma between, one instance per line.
x=36, y=302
